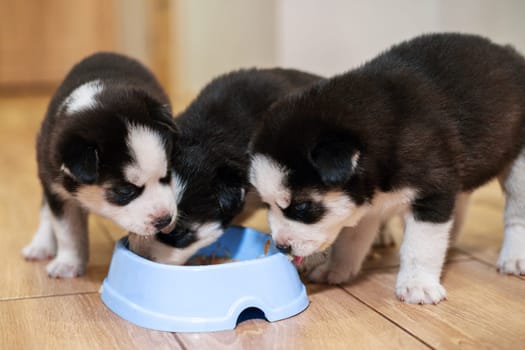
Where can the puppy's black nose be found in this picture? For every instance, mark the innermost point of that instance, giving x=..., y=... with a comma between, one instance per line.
x=283, y=248
x=162, y=222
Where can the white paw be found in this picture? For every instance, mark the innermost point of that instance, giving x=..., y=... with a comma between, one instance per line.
x=512, y=256
x=65, y=267
x=420, y=291
x=325, y=273
x=310, y=262
x=318, y=274
x=512, y=266
x=39, y=250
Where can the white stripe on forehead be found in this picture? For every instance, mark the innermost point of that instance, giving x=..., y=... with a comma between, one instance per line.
x=268, y=177
x=149, y=154
x=83, y=97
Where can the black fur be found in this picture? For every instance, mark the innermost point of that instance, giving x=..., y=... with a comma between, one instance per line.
x=332, y=158
x=210, y=153
x=81, y=158
x=441, y=114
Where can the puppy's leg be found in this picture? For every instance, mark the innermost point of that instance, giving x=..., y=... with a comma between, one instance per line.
x=348, y=252
x=512, y=256
x=384, y=237
x=310, y=262
x=70, y=227
x=43, y=244
x=460, y=211
x=422, y=255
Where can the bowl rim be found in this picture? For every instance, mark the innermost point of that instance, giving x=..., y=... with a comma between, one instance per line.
x=122, y=246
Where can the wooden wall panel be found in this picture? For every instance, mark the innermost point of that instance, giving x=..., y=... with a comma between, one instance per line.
x=41, y=39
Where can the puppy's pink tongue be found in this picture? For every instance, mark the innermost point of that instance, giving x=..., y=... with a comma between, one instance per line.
x=297, y=260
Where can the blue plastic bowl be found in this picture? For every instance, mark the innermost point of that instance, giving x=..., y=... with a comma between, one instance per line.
x=206, y=297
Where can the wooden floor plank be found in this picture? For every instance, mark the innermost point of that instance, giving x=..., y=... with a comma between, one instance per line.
x=334, y=320
x=484, y=309
x=73, y=322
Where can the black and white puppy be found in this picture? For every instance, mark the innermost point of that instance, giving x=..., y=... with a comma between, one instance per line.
x=104, y=146
x=210, y=158
x=413, y=131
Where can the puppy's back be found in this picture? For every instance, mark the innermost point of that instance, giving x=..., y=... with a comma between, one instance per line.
x=475, y=90
x=111, y=68
x=234, y=101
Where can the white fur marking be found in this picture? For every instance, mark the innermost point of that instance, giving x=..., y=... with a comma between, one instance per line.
x=149, y=153
x=422, y=256
x=268, y=177
x=83, y=97
x=149, y=166
x=355, y=159
x=178, y=186
x=512, y=256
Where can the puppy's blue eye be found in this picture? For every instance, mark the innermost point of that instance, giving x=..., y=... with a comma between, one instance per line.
x=307, y=211
x=301, y=206
x=125, y=190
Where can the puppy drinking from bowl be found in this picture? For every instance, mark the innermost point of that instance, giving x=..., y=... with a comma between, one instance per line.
x=411, y=132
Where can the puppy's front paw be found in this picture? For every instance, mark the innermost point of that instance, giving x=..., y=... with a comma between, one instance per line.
x=310, y=262
x=65, y=267
x=319, y=273
x=420, y=291
x=511, y=266
x=325, y=273
x=512, y=256
x=39, y=250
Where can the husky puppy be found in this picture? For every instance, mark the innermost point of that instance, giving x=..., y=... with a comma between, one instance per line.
x=411, y=132
x=211, y=160
x=105, y=146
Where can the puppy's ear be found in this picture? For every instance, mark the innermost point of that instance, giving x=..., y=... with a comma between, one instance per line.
x=335, y=160
x=231, y=186
x=80, y=161
x=166, y=117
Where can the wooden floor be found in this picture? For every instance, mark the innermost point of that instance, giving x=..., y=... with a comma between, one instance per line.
x=483, y=310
